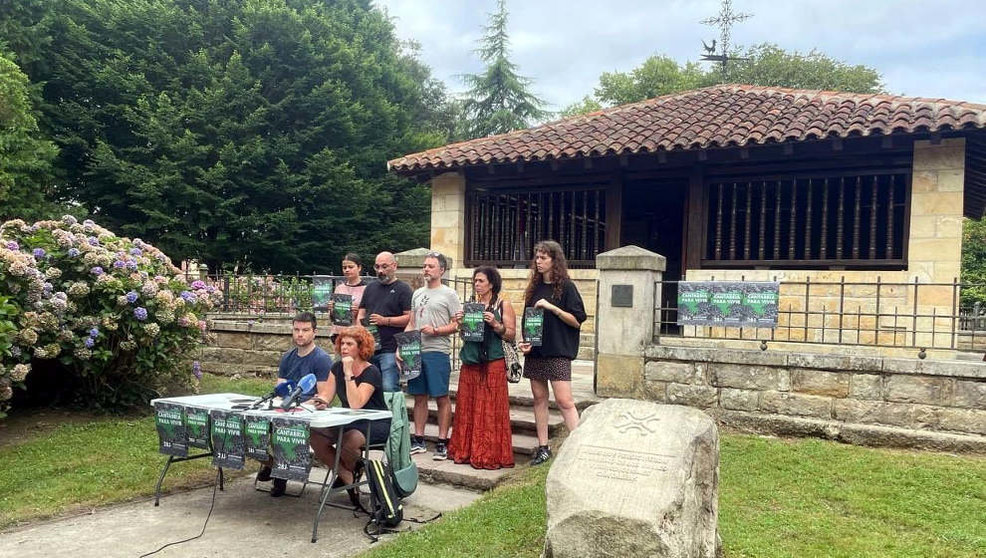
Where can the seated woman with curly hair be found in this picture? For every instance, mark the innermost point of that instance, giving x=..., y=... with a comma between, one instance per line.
x=359, y=385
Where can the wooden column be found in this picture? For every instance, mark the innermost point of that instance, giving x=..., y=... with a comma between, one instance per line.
x=693, y=235
x=614, y=212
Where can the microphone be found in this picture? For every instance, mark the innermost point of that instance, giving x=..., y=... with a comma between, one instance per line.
x=280, y=390
x=305, y=385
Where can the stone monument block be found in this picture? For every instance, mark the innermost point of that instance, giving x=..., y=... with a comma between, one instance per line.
x=635, y=479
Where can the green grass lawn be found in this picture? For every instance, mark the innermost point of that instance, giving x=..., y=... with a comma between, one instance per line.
x=777, y=498
x=86, y=461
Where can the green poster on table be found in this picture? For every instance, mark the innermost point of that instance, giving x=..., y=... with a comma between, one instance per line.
x=197, y=427
x=289, y=445
x=227, y=439
x=256, y=434
x=170, y=422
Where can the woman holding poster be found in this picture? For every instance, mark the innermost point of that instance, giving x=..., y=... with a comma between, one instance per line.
x=481, y=427
x=553, y=315
x=352, y=286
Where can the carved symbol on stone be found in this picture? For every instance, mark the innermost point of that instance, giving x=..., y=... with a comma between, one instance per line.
x=630, y=422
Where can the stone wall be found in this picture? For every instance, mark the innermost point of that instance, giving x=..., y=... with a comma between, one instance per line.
x=857, y=399
x=249, y=347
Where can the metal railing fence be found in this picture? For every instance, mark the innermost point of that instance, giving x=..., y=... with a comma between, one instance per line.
x=884, y=314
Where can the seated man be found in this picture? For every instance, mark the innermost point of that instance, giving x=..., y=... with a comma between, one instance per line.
x=305, y=358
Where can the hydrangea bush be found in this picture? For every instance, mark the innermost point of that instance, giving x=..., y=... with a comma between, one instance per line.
x=116, y=314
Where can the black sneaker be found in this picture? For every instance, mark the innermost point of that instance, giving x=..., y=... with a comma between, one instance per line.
x=278, y=488
x=541, y=455
x=441, y=450
x=418, y=445
x=264, y=474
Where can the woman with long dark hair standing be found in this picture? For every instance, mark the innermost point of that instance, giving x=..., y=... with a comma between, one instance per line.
x=550, y=288
x=481, y=428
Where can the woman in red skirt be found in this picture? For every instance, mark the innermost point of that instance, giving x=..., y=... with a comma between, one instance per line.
x=481, y=428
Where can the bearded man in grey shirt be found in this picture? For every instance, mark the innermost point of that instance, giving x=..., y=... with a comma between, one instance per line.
x=433, y=308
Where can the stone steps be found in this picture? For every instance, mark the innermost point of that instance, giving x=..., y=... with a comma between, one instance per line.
x=521, y=416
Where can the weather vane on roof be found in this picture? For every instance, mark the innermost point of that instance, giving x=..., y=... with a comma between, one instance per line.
x=724, y=21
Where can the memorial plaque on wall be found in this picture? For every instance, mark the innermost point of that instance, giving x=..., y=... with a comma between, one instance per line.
x=289, y=445
x=728, y=303
x=197, y=427
x=256, y=436
x=170, y=423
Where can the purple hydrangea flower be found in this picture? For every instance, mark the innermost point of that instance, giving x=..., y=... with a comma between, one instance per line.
x=48, y=287
x=132, y=265
x=94, y=332
x=13, y=246
x=198, y=284
x=93, y=241
x=119, y=264
x=136, y=252
x=140, y=313
x=89, y=342
x=188, y=296
x=132, y=297
x=210, y=289
x=197, y=369
x=73, y=252
x=96, y=270
x=38, y=253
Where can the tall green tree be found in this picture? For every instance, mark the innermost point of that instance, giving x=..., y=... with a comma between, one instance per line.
x=765, y=64
x=247, y=133
x=499, y=99
x=25, y=156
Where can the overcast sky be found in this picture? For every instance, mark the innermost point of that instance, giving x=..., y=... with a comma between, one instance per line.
x=930, y=48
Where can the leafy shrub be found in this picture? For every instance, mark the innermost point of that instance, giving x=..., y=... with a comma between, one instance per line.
x=118, y=317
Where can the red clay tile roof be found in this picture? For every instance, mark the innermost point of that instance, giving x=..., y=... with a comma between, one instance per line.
x=720, y=116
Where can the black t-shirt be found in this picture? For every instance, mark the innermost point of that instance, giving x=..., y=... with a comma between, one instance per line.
x=390, y=300
x=559, y=339
x=371, y=374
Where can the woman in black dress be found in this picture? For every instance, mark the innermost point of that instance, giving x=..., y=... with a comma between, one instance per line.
x=359, y=385
x=550, y=288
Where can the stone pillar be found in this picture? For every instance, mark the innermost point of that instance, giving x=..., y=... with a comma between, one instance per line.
x=628, y=290
x=934, y=246
x=448, y=215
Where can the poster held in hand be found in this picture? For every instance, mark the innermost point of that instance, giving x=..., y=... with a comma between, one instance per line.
x=472, y=321
x=289, y=442
x=227, y=439
x=534, y=326
x=374, y=331
x=409, y=347
x=169, y=419
x=343, y=312
x=321, y=291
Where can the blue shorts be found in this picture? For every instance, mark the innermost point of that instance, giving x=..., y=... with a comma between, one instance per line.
x=387, y=364
x=436, y=368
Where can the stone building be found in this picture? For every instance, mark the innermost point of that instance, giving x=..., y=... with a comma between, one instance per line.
x=854, y=202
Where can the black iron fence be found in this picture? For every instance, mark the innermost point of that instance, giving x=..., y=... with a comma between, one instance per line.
x=265, y=293
x=878, y=313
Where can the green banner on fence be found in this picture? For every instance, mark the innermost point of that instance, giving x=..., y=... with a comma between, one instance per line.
x=728, y=303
